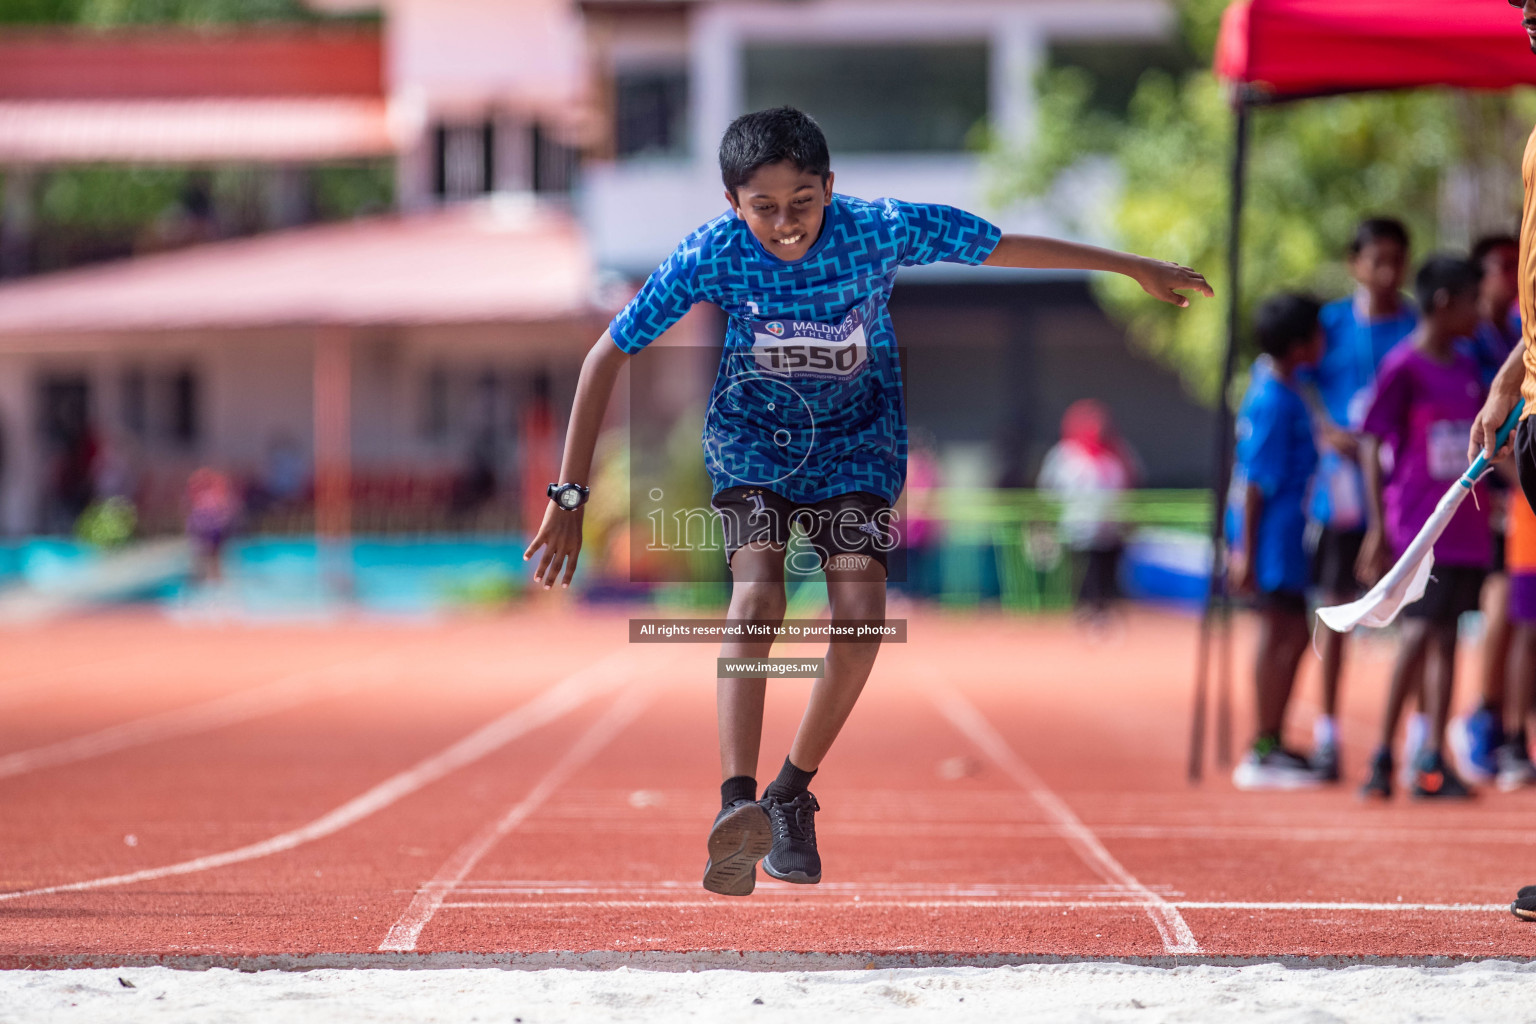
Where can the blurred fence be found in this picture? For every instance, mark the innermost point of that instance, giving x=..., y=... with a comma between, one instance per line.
x=1000, y=548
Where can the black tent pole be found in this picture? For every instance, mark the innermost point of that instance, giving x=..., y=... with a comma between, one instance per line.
x=1217, y=604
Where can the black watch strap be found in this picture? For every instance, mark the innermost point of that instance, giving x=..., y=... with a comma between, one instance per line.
x=556, y=490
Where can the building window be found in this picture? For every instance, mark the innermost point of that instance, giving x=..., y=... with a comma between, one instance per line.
x=917, y=98
x=184, y=407
x=1115, y=68
x=554, y=162
x=464, y=157
x=163, y=405
x=651, y=113
x=136, y=403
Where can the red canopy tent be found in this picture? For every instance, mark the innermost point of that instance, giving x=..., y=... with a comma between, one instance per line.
x=1274, y=51
x=1286, y=49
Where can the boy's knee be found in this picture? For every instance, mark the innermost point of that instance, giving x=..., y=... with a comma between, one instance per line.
x=764, y=601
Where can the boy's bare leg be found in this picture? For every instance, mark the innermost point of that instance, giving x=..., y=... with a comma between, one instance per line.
x=1439, y=679
x=1497, y=641
x=852, y=594
x=1407, y=674
x=1522, y=679
x=1282, y=642
x=757, y=592
x=1331, y=648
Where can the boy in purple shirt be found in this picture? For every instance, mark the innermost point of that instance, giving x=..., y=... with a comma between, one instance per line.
x=1427, y=395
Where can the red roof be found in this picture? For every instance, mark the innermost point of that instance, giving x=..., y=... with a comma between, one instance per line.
x=490, y=262
x=160, y=63
x=1307, y=47
x=281, y=130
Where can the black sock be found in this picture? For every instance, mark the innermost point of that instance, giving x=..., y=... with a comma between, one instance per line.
x=737, y=787
x=791, y=782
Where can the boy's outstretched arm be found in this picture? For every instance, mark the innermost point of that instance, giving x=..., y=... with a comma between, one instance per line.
x=1160, y=279
x=560, y=533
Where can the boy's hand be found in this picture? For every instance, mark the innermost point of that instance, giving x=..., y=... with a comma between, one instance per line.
x=1163, y=280
x=560, y=535
x=1240, y=573
x=1341, y=441
x=1485, y=429
x=1374, y=560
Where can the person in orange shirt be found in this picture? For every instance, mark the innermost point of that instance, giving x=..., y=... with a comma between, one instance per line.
x=1517, y=377
x=1515, y=769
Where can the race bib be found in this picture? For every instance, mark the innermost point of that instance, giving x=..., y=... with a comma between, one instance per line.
x=810, y=349
x=1448, y=448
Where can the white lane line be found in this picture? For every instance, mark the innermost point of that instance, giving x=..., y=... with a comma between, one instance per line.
x=559, y=700
x=1170, y=924
x=405, y=932
x=1439, y=836
x=846, y=904
x=283, y=694
x=823, y=890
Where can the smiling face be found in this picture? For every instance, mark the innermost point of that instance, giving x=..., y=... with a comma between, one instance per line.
x=1528, y=21
x=784, y=207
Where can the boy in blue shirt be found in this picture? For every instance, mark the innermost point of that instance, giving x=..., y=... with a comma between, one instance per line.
x=1358, y=332
x=806, y=423
x=1276, y=459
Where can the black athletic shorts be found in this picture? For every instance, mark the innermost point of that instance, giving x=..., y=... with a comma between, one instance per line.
x=1525, y=459
x=1453, y=590
x=855, y=525
x=1333, y=563
x=1293, y=601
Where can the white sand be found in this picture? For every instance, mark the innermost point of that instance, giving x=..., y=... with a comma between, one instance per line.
x=1492, y=991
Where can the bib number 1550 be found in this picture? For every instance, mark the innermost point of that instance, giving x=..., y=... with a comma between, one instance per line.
x=788, y=357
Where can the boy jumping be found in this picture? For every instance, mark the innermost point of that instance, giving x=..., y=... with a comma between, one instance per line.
x=806, y=422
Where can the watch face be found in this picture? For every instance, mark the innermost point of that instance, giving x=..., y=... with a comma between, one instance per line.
x=569, y=497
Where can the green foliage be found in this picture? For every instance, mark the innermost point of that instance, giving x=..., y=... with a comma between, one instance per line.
x=108, y=524
x=113, y=13
x=108, y=197
x=343, y=191
x=1315, y=168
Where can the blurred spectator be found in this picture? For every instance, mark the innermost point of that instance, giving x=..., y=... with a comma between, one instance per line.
x=1358, y=331
x=212, y=510
x=1476, y=738
x=1275, y=458
x=1088, y=470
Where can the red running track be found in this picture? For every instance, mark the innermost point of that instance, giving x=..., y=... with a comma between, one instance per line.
x=507, y=787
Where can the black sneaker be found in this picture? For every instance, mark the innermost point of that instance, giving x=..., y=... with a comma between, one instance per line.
x=739, y=839
x=1325, y=762
x=1433, y=779
x=1524, y=906
x=1379, y=785
x=793, y=857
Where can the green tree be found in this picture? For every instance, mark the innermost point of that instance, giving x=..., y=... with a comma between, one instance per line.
x=1315, y=168
x=112, y=13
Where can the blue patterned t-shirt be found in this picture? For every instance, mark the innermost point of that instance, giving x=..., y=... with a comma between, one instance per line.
x=807, y=401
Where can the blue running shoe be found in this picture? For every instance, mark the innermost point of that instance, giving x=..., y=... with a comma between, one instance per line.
x=1476, y=740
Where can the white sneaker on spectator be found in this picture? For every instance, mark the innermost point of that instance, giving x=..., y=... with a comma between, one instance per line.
x=1277, y=769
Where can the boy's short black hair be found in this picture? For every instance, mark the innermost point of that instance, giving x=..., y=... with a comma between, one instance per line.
x=768, y=136
x=1487, y=244
x=1286, y=321
x=1378, y=229
x=1445, y=272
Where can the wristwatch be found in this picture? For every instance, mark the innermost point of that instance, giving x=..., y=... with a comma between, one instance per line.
x=568, y=497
